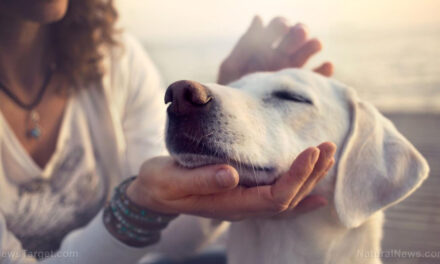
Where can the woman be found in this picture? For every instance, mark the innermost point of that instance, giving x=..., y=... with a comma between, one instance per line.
x=81, y=110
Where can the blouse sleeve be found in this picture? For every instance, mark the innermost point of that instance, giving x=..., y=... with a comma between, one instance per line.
x=144, y=111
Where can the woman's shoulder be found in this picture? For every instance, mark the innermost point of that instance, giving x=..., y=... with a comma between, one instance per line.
x=130, y=48
x=129, y=71
x=128, y=56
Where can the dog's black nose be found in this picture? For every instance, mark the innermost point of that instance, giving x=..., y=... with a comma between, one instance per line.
x=187, y=97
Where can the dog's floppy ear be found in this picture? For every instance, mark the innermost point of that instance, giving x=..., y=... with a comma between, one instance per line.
x=377, y=167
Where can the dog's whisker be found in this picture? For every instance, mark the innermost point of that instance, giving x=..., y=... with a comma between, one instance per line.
x=209, y=134
x=239, y=161
x=255, y=177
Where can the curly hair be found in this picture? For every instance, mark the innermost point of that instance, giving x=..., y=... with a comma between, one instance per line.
x=78, y=37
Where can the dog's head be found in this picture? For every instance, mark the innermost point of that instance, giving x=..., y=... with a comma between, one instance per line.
x=260, y=123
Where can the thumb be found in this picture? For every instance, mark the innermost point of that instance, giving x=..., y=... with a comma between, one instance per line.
x=205, y=180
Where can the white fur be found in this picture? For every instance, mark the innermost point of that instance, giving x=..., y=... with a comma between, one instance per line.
x=375, y=167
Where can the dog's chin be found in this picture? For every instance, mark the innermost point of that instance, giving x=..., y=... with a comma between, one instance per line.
x=249, y=175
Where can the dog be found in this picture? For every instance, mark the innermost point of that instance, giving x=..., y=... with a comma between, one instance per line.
x=260, y=123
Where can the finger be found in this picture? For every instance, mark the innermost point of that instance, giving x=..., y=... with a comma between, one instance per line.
x=255, y=27
x=253, y=33
x=327, y=151
x=325, y=69
x=293, y=40
x=201, y=181
x=303, y=54
x=229, y=205
x=248, y=40
x=277, y=28
x=234, y=204
x=287, y=186
x=330, y=165
x=329, y=148
x=310, y=185
x=325, y=161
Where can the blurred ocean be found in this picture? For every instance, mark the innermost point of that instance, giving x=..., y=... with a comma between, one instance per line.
x=397, y=71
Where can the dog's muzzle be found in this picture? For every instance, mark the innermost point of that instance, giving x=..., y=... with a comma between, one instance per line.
x=198, y=133
x=191, y=114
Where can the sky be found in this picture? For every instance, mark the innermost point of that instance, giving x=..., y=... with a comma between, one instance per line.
x=396, y=41
x=177, y=19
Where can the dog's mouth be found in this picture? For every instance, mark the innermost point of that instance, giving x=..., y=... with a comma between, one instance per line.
x=197, y=154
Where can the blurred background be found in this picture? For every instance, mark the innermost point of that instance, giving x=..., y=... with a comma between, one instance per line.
x=389, y=50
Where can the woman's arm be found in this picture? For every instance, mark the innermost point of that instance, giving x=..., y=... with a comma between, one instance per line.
x=143, y=118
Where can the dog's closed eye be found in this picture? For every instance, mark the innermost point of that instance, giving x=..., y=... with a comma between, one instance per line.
x=291, y=96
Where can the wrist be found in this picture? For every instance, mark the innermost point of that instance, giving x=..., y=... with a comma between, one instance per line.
x=134, y=193
x=130, y=222
x=141, y=197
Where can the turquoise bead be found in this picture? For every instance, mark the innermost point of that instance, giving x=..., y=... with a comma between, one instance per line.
x=35, y=132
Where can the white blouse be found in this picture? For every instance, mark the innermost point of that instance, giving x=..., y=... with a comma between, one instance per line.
x=106, y=133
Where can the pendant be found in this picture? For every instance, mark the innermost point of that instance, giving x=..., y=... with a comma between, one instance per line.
x=35, y=131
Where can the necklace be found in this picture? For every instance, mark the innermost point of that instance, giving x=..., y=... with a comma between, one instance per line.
x=33, y=128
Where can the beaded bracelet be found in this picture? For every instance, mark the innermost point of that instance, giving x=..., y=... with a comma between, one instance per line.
x=133, y=224
x=135, y=211
x=125, y=235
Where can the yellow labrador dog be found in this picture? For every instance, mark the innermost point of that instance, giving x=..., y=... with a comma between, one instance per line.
x=260, y=123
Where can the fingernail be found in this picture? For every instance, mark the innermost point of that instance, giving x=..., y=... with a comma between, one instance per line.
x=225, y=178
x=315, y=156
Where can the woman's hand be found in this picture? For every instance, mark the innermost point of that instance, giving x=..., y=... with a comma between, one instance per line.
x=213, y=191
x=255, y=51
